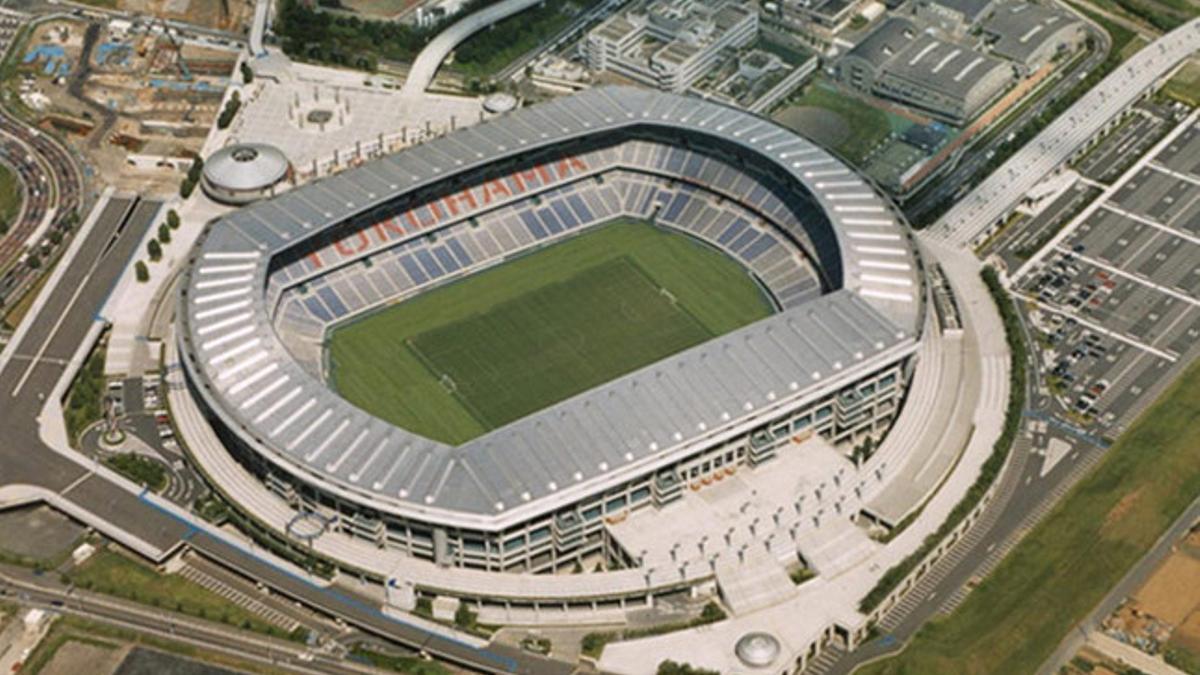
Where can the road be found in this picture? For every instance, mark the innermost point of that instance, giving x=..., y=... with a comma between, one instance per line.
x=37, y=363
x=43, y=592
x=52, y=180
x=1027, y=491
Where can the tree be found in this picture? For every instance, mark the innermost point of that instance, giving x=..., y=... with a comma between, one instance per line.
x=154, y=250
x=464, y=617
x=34, y=261
x=230, y=111
x=141, y=271
x=670, y=667
x=164, y=233
x=173, y=219
x=187, y=187
x=247, y=73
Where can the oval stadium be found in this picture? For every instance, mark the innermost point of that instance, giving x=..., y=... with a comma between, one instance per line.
x=493, y=349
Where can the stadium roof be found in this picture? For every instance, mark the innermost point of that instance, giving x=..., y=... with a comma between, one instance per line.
x=246, y=167
x=637, y=422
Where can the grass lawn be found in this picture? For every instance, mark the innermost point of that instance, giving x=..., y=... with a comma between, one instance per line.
x=460, y=360
x=866, y=126
x=1184, y=86
x=1065, y=566
x=10, y=196
x=114, y=574
x=487, y=52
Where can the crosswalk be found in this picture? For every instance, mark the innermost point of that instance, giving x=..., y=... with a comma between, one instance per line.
x=925, y=589
x=243, y=600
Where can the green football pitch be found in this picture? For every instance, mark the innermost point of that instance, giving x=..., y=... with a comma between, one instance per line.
x=471, y=356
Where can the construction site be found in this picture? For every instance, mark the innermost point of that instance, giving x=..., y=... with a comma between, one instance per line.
x=135, y=99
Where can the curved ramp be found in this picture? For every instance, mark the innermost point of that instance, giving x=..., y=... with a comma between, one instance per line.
x=430, y=58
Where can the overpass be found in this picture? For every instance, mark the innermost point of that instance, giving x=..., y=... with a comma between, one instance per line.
x=36, y=368
x=431, y=57
x=979, y=213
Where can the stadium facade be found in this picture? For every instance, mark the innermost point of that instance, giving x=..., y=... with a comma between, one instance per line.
x=266, y=283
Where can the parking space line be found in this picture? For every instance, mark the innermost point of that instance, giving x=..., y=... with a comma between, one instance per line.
x=1173, y=173
x=1098, y=328
x=1132, y=277
x=1101, y=201
x=1151, y=222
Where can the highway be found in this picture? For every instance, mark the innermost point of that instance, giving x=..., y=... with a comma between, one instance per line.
x=36, y=361
x=52, y=181
x=985, y=206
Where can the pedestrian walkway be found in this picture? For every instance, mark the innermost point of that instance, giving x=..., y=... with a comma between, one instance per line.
x=243, y=600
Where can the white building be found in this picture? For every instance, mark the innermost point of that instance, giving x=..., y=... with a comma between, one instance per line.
x=670, y=43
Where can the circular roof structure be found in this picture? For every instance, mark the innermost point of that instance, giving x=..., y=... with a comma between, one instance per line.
x=246, y=167
x=499, y=103
x=251, y=380
x=757, y=650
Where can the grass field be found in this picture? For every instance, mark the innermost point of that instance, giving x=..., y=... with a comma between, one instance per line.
x=474, y=355
x=862, y=127
x=1013, y=621
x=1184, y=86
x=114, y=574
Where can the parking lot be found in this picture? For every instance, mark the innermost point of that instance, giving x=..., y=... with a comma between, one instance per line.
x=1116, y=297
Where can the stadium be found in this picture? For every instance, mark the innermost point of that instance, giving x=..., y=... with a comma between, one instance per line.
x=489, y=348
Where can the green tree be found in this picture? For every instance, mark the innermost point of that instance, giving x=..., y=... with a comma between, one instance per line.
x=173, y=219
x=247, y=73
x=154, y=250
x=141, y=271
x=164, y=233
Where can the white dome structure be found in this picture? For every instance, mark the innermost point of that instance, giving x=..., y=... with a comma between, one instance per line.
x=757, y=650
x=500, y=103
x=244, y=172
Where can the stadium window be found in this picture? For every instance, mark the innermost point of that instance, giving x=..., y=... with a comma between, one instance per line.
x=514, y=544
x=824, y=412
x=539, y=534
x=592, y=513
x=801, y=423
x=867, y=390
x=640, y=494
x=614, y=504
x=887, y=381
x=475, y=545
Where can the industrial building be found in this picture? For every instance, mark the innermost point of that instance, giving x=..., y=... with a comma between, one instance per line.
x=915, y=67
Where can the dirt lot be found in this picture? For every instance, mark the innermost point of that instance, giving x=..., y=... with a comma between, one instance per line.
x=229, y=15
x=1187, y=635
x=37, y=532
x=1174, y=590
x=76, y=657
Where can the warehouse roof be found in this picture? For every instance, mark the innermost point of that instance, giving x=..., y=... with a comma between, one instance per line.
x=1022, y=28
x=897, y=47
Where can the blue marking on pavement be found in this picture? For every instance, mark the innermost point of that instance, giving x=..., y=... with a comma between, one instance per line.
x=1068, y=427
x=508, y=663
